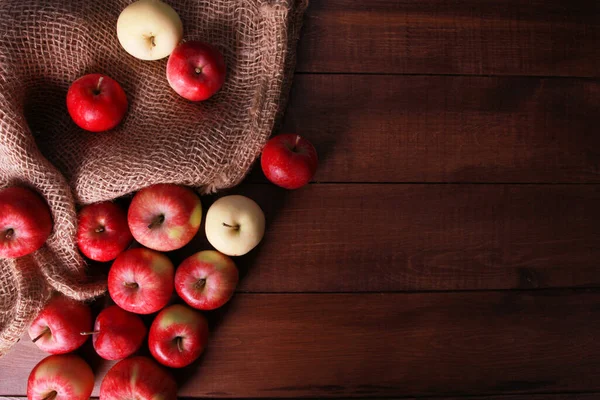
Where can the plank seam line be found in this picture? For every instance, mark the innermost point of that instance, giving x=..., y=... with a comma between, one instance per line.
x=416, y=74
x=440, y=183
x=577, y=289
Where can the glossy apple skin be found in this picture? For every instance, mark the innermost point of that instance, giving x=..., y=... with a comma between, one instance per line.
x=289, y=161
x=25, y=222
x=103, y=232
x=138, y=378
x=141, y=281
x=67, y=374
x=178, y=336
x=96, y=102
x=196, y=70
x=206, y=280
x=119, y=333
x=64, y=319
x=164, y=217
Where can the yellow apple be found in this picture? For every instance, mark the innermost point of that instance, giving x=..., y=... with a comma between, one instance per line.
x=149, y=29
x=235, y=225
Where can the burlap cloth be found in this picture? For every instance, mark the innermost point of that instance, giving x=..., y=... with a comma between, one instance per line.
x=46, y=44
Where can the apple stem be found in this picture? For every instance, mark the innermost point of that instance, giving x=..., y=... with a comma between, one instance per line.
x=236, y=227
x=97, y=91
x=297, y=141
x=179, y=344
x=38, y=337
x=200, y=283
x=158, y=220
x=8, y=234
x=99, y=229
x=198, y=70
x=131, y=285
x=88, y=333
x=152, y=41
x=51, y=396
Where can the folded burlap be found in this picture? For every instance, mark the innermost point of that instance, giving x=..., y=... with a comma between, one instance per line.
x=46, y=44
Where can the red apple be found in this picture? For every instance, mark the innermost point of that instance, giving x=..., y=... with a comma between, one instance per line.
x=117, y=333
x=141, y=281
x=206, y=280
x=178, y=336
x=196, y=70
x=96, y=102
x=289, y=161
x=25, y=222
x=103, y=232
x=60, y=377
x=164, y=217
x=138, y=378
x=57, y=327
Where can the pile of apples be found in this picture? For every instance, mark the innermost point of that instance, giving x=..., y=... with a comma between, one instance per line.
x=161, y=218
x=141, y=280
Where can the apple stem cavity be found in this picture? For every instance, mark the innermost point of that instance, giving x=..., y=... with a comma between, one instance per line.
x=198, y=70
x=38, y=337
x=131, y=285
x=200, y=283
x=236, y=227
x=51, y=396
x=179, y=340
x=8, y=234
x=88, y=333
x=157, y=221
x=99, y=229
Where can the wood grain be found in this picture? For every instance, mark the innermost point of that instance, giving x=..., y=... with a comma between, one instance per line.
x=495, y=37
x=358, y=237
x=448, y=129
x=336, y=345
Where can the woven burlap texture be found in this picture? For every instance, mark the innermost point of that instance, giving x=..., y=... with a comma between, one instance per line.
x=47, y=44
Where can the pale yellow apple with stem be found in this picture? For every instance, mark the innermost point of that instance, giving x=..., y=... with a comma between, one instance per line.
x=149, y=29
x=235, y=225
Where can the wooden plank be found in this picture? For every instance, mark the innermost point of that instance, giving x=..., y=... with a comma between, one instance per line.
x=336, y=345
x=358, y=237
x=448, y=129
x=496, y=37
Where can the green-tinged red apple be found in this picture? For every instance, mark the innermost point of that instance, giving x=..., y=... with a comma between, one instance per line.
x=164, y=217
x=60, y=377
x=138, y=378
x=141, y=281
x=178, y=336
x=206, y=280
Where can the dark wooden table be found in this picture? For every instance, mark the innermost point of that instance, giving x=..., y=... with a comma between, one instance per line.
x=450, y=244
